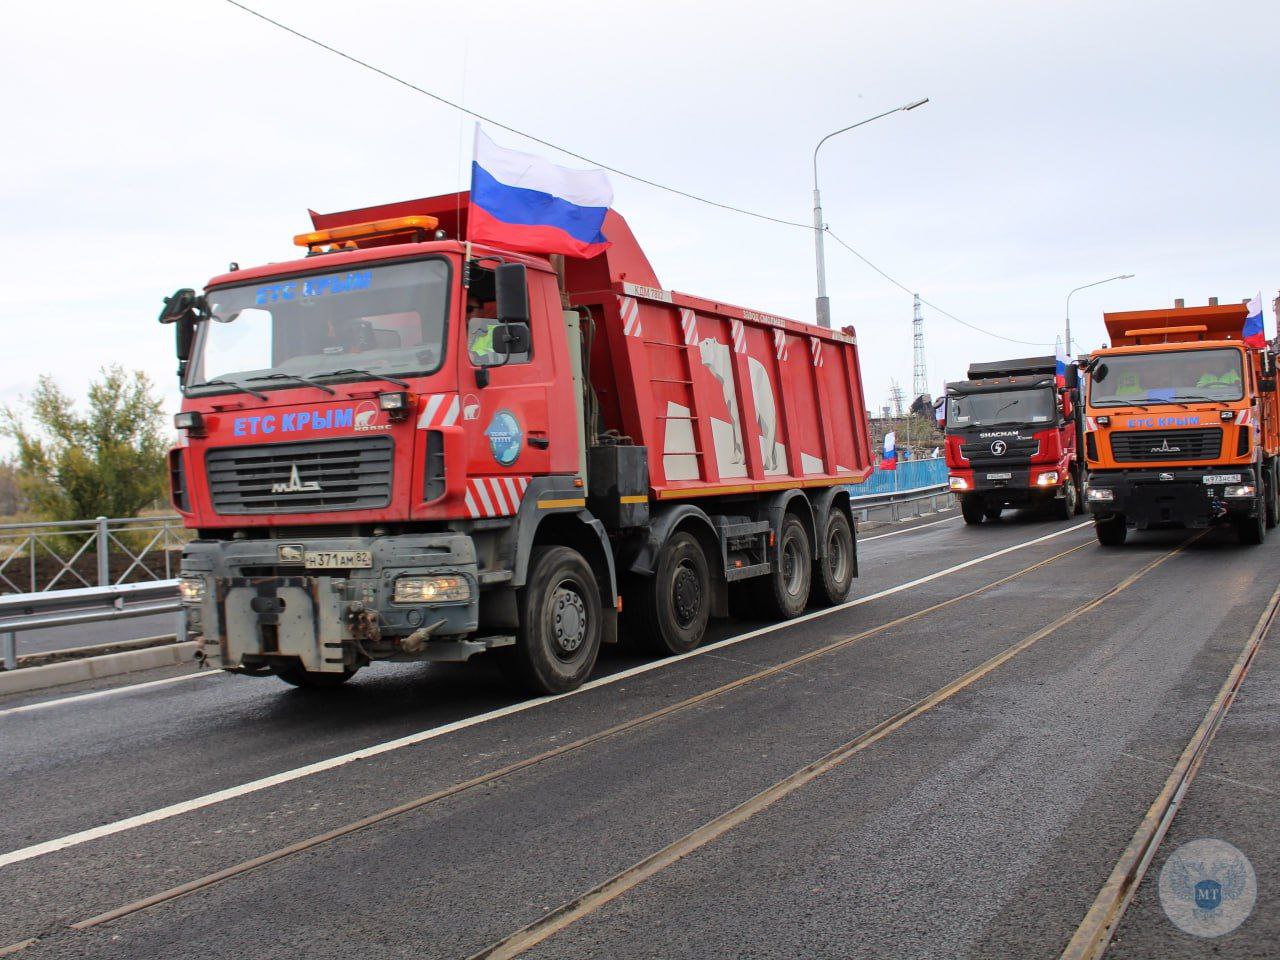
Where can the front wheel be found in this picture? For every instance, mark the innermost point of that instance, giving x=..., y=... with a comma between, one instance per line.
x=971, y=508
x=787, y=590
x=1270, y=493
x=296, y=676
x=1252, y=530
x=560, y=623
x=833, y=574
x=1110, y=531
x=1069, y=505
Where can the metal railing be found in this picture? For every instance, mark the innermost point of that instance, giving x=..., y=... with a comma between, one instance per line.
x=68, y=608
x=38, y=557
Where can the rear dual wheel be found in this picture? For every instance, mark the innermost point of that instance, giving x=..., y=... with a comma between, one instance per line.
x=670, y=610
x=833, y=574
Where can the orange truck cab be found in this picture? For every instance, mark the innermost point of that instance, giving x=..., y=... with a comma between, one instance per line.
x=1181, y=424
x=401, y=446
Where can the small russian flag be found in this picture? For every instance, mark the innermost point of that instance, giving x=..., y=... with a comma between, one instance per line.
x=890, y=459
x=1060, y=363
x=1255, y=334
x=523, y=202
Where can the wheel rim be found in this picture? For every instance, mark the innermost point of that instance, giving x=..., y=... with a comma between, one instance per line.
x=837, y=556
x=1071, y=497
x=792, y=572
x=568, y=620
x=686, y=594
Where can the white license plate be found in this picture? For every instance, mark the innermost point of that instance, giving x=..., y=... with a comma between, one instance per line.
x=1222, y=478
x=999, y=476
x=339, y=559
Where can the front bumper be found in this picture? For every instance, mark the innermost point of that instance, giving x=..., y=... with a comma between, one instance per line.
x=258, y=612
x=1011, y=486
x=1177, y=497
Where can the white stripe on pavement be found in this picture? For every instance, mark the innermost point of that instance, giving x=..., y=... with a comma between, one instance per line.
x=898, y=533
x=310, y=769
x=98, y=694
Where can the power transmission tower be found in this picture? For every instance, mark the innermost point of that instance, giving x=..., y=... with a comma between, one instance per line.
x=920, y=377
x=895, y=397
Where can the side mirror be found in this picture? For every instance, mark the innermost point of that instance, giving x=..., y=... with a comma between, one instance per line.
x=184, y=336
x=1267, y=384
x=514, y=338
x=1066, y=404
x=512, y=290
x=179, y=305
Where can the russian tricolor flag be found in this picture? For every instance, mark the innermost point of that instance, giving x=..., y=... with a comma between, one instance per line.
x=890, y=459
x=523, y=202
x=1255, y=334
x=1060, y=363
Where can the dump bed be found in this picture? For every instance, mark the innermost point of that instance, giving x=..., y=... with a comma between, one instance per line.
x=1177, y=324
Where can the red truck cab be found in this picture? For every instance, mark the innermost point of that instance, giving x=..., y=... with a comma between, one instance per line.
x=1013, y=438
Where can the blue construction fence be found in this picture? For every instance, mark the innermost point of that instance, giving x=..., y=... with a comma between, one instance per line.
x=910, y=475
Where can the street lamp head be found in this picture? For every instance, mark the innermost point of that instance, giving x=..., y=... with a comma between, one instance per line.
x=917, y=103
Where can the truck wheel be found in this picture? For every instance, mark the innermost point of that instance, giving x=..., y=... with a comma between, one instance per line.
x=1110, y=531
x=1252, y=530
x=1270, y=493
x=788, y=582
x=993, y=512
x=1069, y=505
x=833, y=574
x=672, y=607
x=560, y=623
x=311, y=679
x=971, y=509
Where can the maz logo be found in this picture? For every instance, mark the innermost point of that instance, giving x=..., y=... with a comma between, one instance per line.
x=1165, y=448
x=295, y=484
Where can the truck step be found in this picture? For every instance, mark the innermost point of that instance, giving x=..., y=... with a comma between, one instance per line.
x=745, y=573
x=733, y=527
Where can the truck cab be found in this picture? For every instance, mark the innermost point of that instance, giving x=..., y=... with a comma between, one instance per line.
x=1181, y=424
x=1012, y=438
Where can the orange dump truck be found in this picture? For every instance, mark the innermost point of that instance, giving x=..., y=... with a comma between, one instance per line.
x=1181, y=424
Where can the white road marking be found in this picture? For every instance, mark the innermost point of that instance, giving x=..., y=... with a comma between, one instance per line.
x=99, y=694
x=898, y=533
x=320, y=766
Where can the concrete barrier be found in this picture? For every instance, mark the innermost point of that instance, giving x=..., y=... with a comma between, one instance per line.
x=95, y=668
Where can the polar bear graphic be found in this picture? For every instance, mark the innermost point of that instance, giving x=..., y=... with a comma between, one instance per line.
x=717, y=359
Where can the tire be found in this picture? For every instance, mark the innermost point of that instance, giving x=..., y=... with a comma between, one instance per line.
x=833, y=574
x=1069, y=505
x=1251, y=531
x=993, y=512
x=971, y=508
x=1111, y=532
x=784, y=592
x=673, y=606
x=313, y=680
x=1271, y=494
x=561, y=622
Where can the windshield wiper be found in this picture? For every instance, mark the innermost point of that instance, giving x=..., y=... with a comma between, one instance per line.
x=231, y=383
x=365, y=373
x=293, y=376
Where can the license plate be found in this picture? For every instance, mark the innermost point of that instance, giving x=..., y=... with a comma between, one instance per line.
x=339, y=559
x=1222, y=478
x=999, y=476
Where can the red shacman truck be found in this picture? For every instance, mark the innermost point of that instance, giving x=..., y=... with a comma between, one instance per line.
x=1013, y=438
x=402, y=447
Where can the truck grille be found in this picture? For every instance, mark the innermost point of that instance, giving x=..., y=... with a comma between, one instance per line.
x=309, y=477
x=979, y=451
x=1148, y=445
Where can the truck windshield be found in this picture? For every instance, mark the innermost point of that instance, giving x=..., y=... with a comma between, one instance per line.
x=1171, y=376
x=364, y=319
x=1001, y=406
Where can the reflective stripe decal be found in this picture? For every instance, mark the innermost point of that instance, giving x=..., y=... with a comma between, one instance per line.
x=439, y=410
x=495, y=496
x=630, y=311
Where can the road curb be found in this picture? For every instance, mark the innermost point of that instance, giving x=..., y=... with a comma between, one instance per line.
x=94, y=668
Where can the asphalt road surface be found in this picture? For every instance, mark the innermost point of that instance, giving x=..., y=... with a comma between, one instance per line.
x=997, y=713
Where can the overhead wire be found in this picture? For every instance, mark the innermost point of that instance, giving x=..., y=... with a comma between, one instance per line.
x=603, y=166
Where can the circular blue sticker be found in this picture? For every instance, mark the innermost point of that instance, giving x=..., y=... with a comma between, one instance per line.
x=504, y=437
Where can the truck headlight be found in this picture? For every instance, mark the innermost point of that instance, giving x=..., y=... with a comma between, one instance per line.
x=452, y=589
x=191, y=589
x=1101, y=493
x=959, y=483
x=1240, y=490
x=1047, y=479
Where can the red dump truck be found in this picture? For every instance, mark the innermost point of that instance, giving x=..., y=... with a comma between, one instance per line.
x=404, y=447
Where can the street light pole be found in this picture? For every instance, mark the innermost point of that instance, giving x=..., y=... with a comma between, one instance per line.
x=1123, y=276
x=824, y=302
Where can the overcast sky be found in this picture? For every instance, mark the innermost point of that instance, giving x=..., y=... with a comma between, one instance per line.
x=149, y=144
